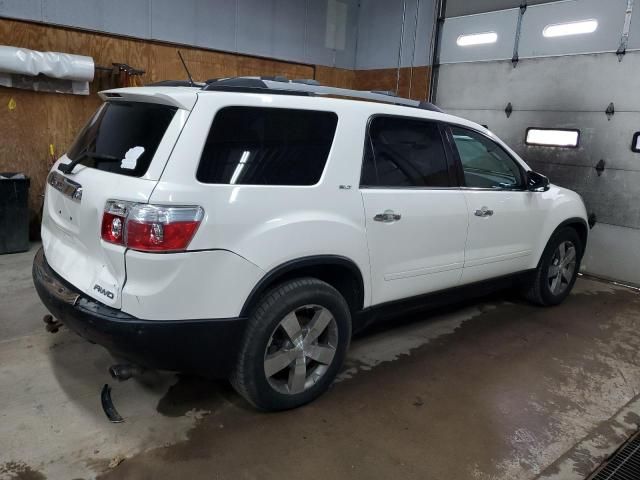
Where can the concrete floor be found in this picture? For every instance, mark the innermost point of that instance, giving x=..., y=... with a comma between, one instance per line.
x=495, y=389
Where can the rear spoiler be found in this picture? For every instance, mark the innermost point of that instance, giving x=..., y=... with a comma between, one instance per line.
x=183, y=99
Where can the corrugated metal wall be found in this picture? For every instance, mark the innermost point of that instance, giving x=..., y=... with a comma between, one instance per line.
x=294, y=30
x=380, y=31
x=349, y=34
x=562, y=82
x=457, y=8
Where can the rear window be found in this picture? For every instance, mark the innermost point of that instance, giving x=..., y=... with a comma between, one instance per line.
x=267, y=146
x=122, y=137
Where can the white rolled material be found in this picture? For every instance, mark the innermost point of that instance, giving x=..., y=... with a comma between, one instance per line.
x=66, y=66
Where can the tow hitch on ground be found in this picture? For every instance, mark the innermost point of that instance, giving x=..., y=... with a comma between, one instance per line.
x=107, y=405
x=120, y=372
x=51, y=324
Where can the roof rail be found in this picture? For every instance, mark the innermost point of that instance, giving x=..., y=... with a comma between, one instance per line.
x=283, y=86
x=175, y=83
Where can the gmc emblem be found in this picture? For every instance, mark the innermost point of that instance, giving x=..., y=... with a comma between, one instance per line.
x=103, y=291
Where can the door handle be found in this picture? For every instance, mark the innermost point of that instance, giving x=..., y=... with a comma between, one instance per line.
x=484, y=212
x=389, y=216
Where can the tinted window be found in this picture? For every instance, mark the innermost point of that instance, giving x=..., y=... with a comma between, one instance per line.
x=485, y=163
x=267, y=146
x=401, y=152
x=122, y=137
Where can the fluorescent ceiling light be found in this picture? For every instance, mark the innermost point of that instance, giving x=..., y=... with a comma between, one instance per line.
x=552, y=138
x=570, y=28
x=477, y=39
x=239, y=167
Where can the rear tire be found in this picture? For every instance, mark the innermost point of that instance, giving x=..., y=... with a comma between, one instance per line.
x=557, y=270
x=294, y=345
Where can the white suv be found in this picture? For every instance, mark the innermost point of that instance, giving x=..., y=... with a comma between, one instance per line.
x=246, y=227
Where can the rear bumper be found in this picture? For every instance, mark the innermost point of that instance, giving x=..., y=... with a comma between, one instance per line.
x=206, y=347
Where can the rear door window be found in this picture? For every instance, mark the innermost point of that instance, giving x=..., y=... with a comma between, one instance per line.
x=267, y=146
x=404, y=152
x=122, y=137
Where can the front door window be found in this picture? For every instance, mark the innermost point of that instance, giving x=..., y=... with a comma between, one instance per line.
x=484, y=162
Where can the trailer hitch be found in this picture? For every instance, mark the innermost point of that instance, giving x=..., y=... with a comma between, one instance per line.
x=51, y=324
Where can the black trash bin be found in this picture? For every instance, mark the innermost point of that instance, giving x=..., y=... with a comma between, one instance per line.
x=14, y=213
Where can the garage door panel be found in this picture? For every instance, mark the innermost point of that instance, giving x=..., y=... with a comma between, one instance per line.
x=609, y=14
x=570, y=91
x=600, y=138
x=567, y=83
x=610, y=196
x=613, y=252
x=502, y=22
x=634, y=37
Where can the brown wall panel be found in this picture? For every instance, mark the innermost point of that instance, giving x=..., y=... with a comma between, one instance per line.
x=335, y=77
x=40, y=119
x=413, y=82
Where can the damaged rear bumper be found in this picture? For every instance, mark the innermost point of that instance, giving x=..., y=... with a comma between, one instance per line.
x=207, y=347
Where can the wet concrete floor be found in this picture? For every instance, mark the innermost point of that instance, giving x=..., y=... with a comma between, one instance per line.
x=493, y=389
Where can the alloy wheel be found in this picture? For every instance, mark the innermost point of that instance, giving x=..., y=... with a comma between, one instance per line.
x=562, y=268
x=301, y=349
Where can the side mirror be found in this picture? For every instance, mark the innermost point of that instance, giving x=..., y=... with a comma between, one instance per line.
x=537, y=182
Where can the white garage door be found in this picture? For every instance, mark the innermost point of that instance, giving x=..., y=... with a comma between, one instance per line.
x=561, y=82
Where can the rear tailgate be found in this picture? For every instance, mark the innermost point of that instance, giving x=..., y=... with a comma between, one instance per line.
x=122, y=152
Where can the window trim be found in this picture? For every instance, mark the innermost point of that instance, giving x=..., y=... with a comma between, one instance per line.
x=529, y=144
x=451, y=162
x=456, y=153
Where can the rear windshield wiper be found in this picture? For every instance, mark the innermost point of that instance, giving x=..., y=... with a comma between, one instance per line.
x=68, y=167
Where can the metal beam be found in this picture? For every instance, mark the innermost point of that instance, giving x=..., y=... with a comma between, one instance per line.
x=435, y=54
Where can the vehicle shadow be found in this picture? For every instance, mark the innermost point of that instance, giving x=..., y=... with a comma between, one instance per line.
x=429, y=314
x=81, y=368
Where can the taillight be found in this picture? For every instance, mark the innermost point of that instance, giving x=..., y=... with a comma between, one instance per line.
x=113, y=221
x=150, y=228
x=154, y=228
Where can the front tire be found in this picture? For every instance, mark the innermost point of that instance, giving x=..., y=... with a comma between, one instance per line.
x=557, y=270
x=294, y=345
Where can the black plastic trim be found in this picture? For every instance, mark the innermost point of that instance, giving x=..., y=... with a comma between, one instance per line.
x=573, y=221
x=429, y=301
x=202, y=346
x=258, y=90
x=173, y=83
x=312, y=261
x=634, y=144
x=452, y=152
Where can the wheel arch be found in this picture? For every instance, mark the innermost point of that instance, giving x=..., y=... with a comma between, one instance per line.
x=340, y=272
x=581, y=227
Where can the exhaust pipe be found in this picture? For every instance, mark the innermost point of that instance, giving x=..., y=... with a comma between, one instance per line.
x=125, y=371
